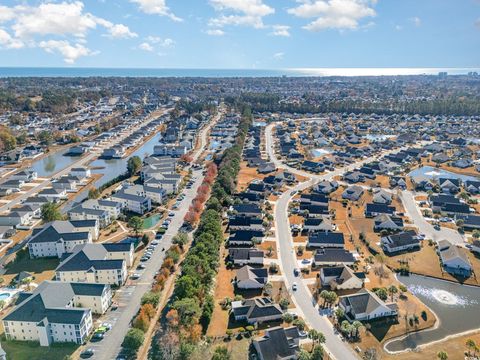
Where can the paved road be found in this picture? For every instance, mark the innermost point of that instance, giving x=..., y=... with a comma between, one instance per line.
x=80, y=162
x=130, y=296
x=408, y=200
x=302, y=297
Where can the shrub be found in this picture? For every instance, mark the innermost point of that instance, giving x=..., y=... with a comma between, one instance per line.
x=151, y=298
x=133, y=340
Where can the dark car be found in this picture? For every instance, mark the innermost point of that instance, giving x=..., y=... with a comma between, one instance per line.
x=87, y=353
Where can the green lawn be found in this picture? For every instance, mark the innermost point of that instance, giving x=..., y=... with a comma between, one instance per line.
x=41, y=269
x=26, y=350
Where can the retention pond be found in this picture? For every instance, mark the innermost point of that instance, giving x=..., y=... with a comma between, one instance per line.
x=456, y=306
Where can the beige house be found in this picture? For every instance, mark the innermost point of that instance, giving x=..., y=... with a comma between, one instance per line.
x=57, y=312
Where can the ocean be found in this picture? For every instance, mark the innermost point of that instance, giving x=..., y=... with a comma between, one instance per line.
x=219, y=73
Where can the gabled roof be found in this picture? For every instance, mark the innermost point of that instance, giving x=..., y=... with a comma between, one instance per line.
x=89, y=257
x=259, y=275
x=52, y=300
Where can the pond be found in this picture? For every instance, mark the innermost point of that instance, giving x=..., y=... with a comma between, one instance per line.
x=320, y=152
x=151, y=221
x=457, y=308
x=53, y=163
x=435, y=173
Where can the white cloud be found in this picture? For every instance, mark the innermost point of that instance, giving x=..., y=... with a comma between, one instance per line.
x=6, y=41
x=6, y=13
x=148, y=45
x=157, y=7
x=120, y=31
x=50, y=18
x=42, y=24
x=69, y=52
x=398, y=27
x=281, y=30
x=416, y=21
x=215, y=32
x=334, y=14
x=278, y=55
x=167, y=42
x=240, y=12
x=145, y=46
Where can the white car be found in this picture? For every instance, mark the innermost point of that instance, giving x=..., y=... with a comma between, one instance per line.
x=294, y=286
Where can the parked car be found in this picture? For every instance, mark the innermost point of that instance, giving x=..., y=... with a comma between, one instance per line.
x=294, y=286
x=135, y=276
x=98, y=336
x=87, y=353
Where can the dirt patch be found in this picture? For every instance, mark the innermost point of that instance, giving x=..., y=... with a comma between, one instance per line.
x=223, y=289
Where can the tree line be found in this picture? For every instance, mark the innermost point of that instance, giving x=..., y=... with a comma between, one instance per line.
x=192, y=303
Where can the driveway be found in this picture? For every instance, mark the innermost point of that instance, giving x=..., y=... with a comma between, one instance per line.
x=414, y=213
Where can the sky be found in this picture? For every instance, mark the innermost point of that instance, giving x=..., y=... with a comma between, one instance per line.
x=240, y=34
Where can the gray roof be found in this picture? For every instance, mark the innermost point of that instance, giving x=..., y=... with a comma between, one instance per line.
x=56, y=231
x=278, y=343
x=50, y=300
x=89, y=256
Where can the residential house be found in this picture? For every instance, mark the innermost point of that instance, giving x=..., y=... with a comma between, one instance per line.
x=372, y=210
x=333, y=256
x=353, y=193
x=387, y=222
x=404, y=241
x=326, y=239
x=139, y=204
x=340, y=278
x=93, y=263
x=242, y=257
x=59, y=237
x=318, y=224
x=454, y=259
x=248, y=278
x=278, y=343
x=366, y=305
x=256, y=311
x=57, y=312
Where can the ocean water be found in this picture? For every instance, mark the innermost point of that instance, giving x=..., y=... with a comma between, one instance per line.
x=218, y=73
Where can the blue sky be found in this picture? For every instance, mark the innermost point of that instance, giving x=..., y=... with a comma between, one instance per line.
x=240, y=33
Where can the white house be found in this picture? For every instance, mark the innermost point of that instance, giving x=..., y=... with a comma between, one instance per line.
x=57, y=312
x=94, y=263
x=60, y=237
x=366, y=305
x=139, y=204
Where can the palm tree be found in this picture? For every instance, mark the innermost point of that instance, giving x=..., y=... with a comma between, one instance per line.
x=392, y=290
x=442, y=355
x=471, y=346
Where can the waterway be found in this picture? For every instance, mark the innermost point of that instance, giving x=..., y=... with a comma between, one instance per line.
x=112, y=168
x=53, y=163
x=457, y=308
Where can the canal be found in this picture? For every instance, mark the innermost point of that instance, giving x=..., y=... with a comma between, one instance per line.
x=53, y=163
x=457, y=308
x=112, y=168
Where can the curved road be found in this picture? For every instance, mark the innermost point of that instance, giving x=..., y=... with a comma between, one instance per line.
x=288, y=261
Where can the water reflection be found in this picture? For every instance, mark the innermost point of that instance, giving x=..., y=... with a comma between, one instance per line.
x=456, y=306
